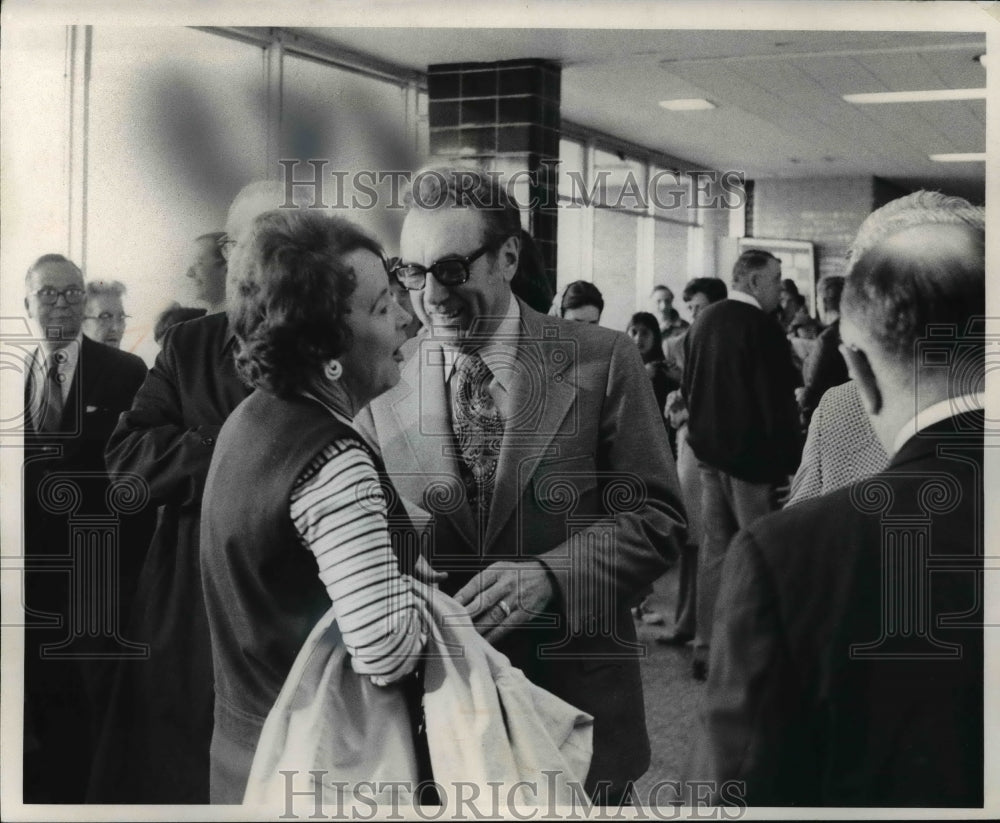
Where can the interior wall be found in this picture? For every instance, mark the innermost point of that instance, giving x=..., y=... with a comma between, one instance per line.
x=826, y=211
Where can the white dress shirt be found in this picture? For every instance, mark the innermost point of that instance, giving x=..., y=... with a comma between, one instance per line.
x=936, y=413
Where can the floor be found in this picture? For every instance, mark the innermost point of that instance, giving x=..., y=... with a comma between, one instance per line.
x=672, y=696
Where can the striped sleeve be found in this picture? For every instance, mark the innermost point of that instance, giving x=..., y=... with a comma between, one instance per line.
x=339, y=512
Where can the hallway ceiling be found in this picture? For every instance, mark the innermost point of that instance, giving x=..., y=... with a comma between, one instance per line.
x=779, y=111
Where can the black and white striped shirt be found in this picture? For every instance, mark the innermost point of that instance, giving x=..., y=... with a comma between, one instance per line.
x=339, y=511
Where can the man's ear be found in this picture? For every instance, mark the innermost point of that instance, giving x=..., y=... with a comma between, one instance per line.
x=508, y=256
x=867, y=383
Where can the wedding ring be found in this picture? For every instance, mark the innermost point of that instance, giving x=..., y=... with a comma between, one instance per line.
x=506, y=609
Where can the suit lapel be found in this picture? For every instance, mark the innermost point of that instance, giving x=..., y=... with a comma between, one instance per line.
x=541, y=395
x=416, y=428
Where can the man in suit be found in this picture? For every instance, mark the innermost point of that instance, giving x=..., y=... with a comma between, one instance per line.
x=155, y=746
x=743, y=427
x=73, y=530
x=847, y=664
x=537, y=449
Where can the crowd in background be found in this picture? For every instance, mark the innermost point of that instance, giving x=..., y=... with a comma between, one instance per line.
x=749, y=409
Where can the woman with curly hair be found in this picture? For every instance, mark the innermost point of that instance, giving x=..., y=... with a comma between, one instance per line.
x=297, y=509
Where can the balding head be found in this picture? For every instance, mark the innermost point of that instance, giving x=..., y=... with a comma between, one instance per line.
x=907, y=322
x=918, y=277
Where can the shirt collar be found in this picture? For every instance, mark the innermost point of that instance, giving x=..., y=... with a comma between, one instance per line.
x=743, y=297
x=499, y=351
x=71, y=350
x=935, y=414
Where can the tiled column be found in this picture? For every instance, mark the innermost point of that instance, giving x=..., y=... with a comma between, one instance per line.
x=504, y=116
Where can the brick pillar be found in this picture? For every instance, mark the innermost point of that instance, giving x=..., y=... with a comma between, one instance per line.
x=504, y=116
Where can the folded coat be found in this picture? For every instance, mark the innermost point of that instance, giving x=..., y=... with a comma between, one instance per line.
x=486, y=724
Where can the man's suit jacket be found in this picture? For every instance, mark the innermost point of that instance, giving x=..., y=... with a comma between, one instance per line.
x=847, y=659
x=584, y=455
x=104, y=383
x=64, y=483
x=155, y=746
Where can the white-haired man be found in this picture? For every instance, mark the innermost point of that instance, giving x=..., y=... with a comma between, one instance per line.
x=847, y=660
x=104, y=315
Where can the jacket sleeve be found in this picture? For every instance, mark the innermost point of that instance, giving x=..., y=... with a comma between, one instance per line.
x=637, y=480
x=775, y=381
x=153, y=440
x=748, y=734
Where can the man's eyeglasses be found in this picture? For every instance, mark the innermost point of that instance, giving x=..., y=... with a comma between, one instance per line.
x=452, y=270
x=225, y=244
x=108, y=317
x=49, y=296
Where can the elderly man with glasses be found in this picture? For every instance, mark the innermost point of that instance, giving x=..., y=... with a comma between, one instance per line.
x=104, y=316
x=535, y=447
x=75, y=390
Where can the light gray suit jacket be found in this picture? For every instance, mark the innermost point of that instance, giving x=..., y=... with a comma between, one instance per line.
x=585, y=483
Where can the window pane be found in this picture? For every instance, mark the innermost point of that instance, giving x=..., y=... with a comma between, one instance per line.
x=570, y=244
x=672, y=195
x=33, y=148
x=357, y=125
x=570, y=160
x=620, y=179
x=177, y=127
x=670, y=255
x=615, y=264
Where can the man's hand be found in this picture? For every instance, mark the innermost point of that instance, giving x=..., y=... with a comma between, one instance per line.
x=506, y=595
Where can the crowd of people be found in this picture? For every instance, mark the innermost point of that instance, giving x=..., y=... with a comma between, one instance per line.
x=341, y=438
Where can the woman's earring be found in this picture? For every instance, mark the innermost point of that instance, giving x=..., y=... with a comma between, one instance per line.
x=333, y=370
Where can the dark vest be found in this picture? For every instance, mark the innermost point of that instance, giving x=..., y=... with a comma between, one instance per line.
x=262, y=588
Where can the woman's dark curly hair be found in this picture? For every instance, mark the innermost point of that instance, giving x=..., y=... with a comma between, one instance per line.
x=289, y=292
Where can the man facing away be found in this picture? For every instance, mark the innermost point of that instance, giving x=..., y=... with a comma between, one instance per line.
x=537, y=449
x=743, y=427
x=155, y=747
x=847, y=663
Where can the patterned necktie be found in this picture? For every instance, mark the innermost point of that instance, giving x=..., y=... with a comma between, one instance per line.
x=478, y=429
x=51, y=408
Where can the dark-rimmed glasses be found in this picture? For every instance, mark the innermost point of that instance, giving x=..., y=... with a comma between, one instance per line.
x=451, y=270
x=49, y=296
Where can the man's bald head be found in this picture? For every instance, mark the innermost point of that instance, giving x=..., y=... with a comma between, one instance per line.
x=915, y=278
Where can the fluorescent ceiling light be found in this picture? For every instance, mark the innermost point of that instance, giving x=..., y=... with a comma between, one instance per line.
x=930, y=96
x=687, y=104
x=967, y=157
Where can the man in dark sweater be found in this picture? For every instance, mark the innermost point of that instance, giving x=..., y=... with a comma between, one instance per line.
x=739, y=382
